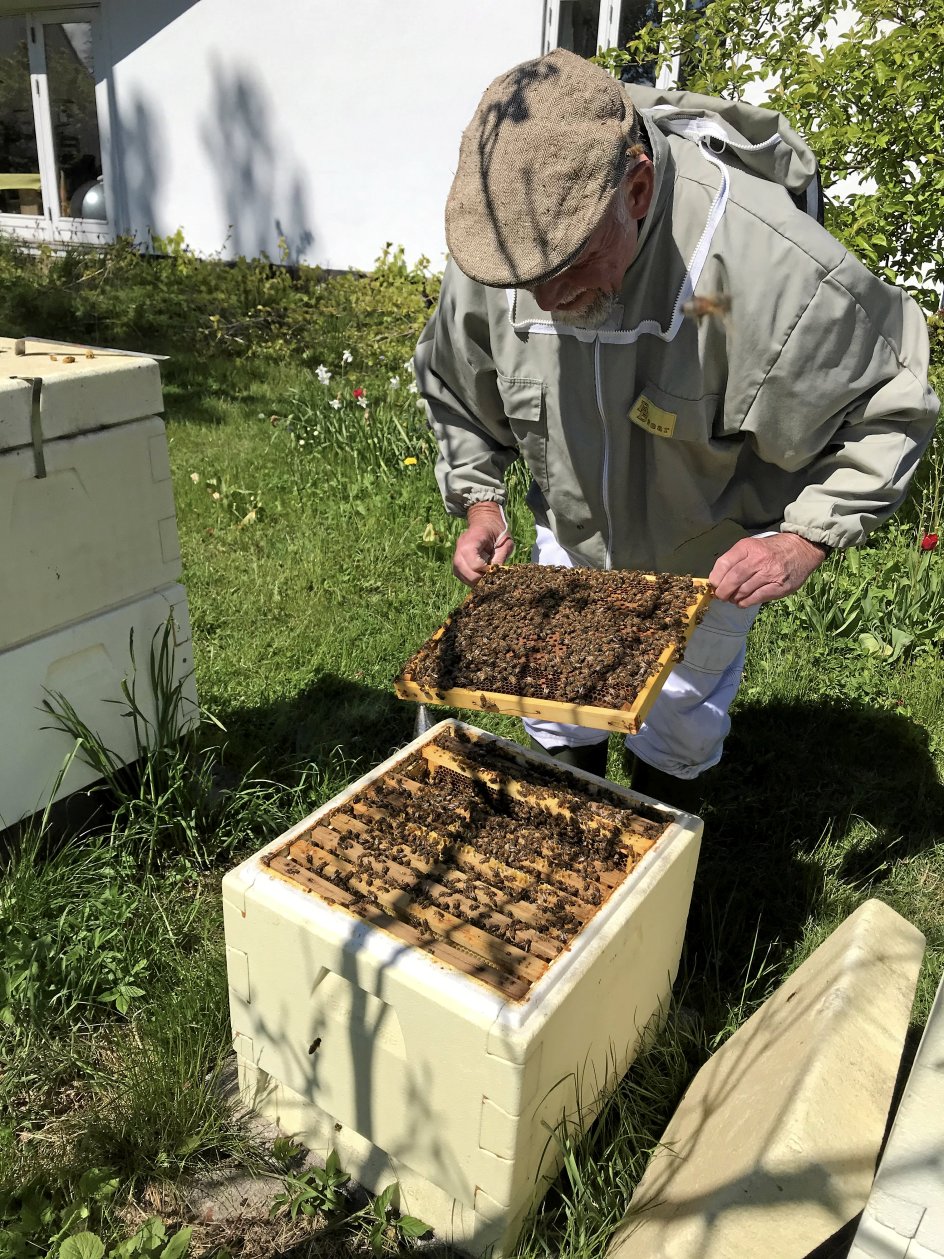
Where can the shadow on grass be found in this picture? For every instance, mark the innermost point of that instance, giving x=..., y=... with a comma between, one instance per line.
x=332, y=720
x=796, y=780
x=200, y=389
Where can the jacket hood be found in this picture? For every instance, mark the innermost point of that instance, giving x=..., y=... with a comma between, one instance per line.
x=758, y=139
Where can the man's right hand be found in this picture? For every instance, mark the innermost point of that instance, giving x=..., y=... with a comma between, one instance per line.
x=485, y=541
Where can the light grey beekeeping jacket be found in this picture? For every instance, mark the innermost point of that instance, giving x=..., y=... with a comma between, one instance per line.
x=657, y=441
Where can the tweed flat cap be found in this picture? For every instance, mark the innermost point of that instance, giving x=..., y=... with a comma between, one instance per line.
x=538, y=166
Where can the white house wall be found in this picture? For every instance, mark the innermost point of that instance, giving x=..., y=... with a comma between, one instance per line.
x=333, y=126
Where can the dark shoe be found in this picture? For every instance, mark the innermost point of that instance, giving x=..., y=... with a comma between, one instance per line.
x=590, y=757
x=679, y=793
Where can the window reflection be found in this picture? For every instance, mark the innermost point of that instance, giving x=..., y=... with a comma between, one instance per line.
x=579, y=26
x=20, y=186
x=70, y=71
x=633, y=17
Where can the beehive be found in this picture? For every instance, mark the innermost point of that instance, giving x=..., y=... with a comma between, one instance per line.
x=90, y=556
x=409, y=992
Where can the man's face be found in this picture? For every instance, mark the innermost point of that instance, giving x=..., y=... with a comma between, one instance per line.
x=586, y=292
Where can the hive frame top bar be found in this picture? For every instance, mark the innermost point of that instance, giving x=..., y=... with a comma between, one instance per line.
x=464, y=992
x=626, y=720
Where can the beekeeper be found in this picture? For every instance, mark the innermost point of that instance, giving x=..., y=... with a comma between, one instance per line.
x=699, y=378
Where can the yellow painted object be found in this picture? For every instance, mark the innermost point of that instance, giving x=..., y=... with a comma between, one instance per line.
x=414, y=1071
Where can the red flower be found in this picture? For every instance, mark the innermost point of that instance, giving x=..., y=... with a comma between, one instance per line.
x=358, y=393
x=929, y=542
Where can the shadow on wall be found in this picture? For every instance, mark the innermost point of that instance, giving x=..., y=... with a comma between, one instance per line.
x=140, y=143
x=263, y=200
x=137, y=138
x=250, y=170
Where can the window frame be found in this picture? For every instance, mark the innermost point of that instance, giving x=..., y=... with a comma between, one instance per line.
x=607, y=34
x=53, y=227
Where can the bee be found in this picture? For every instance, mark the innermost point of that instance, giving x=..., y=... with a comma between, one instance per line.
x=710, y=306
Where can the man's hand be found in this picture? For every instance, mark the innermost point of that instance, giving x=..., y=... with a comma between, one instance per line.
x=485, y=541
x=756, y=570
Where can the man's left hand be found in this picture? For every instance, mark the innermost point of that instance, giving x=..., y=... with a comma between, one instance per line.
x=756, y=570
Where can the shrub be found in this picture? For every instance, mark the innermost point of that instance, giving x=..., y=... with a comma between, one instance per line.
x=250, y=308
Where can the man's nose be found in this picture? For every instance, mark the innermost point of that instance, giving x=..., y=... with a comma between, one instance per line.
x=548, y=294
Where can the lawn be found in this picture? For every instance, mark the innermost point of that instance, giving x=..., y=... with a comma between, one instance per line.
x=316, y=558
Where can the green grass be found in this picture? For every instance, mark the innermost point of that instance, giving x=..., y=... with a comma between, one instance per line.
x=311, y=577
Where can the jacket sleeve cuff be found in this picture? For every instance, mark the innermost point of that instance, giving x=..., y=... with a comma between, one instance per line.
x=832, y=539
x=482, y=495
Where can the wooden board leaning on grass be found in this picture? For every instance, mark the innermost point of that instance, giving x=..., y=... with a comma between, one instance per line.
x=627, y=719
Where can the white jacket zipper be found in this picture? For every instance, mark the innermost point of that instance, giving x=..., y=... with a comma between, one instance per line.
x=608, y=553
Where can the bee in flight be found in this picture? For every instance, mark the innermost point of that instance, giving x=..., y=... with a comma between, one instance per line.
x=710, y=306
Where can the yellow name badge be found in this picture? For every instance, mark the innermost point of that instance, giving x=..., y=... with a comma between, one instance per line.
x=652, y=418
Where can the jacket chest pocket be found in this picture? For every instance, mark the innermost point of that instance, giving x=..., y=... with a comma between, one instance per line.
x=672, y=418
x=526, y=412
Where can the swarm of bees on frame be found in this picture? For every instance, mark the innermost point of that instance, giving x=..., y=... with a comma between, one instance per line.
x=573, y=634
x=456, y=849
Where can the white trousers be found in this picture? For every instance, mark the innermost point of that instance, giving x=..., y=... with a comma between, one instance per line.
x=686, y=727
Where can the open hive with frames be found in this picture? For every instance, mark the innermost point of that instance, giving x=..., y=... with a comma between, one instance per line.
x=587, y=647
x=488, y=858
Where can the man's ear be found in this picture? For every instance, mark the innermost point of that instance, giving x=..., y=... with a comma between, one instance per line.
x=638, y=187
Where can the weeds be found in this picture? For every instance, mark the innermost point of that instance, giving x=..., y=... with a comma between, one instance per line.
x=885, y=601
x=320, y=1191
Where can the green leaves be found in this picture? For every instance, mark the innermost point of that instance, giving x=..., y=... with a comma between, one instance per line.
x=869, y=100
x=884, y=602
x=318, y=1189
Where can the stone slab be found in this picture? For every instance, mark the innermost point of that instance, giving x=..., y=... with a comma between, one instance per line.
x=904, y=1216
x=773, y=1147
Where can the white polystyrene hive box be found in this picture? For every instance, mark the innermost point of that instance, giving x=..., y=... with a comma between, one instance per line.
x=411, y=1070
x=86, y=664
x=904, y=1216
x=86, y=506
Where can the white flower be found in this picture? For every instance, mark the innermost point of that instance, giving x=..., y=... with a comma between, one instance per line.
x=362, y=402
x=347, y=357
x=408, y=367
x=336, y=403
x=412, y=387
x=215, y=496
x=394, y=382
x=322, y=373
x=195, y=477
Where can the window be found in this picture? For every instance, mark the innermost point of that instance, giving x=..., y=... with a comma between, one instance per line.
x=585, y=26
x=634, y=15
x=51, y=181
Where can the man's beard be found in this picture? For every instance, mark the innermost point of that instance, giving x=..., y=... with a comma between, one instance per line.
x=597, y=311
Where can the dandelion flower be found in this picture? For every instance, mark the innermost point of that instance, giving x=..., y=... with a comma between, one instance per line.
x=409, y=461
x=322, y=373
